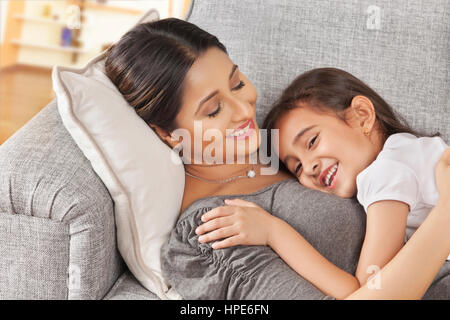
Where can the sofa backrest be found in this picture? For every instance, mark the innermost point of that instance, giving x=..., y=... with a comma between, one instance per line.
x=399, y=48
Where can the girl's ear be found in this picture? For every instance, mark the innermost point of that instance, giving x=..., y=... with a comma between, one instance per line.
x=363, y=113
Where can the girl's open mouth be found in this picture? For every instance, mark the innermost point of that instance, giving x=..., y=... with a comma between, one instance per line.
x=243, y=132
x=328, y=176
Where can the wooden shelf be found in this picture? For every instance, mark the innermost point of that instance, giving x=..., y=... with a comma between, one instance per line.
x=107, y=7
x=41, y=20
x=17, y=19
x=50, y=47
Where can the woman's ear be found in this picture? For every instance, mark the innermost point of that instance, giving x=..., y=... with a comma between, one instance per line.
x=164, y=135
x=363, y=113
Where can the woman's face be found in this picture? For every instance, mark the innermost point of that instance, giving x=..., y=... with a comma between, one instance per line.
x=218, y=109
x=324, y=152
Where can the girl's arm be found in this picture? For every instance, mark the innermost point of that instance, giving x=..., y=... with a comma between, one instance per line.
x=309, y=263
x=385, y=235
x=409, y=274
x=245, y=223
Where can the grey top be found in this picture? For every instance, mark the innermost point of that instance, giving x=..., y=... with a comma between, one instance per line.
x=334, y=226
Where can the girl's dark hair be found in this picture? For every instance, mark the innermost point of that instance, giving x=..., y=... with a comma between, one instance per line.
x=333, y=89
x=149, y=63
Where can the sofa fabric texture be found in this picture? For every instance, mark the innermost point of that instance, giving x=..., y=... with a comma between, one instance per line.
x=56, y=217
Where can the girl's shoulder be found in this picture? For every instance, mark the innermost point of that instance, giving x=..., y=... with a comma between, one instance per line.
x=399, y=139
x=406, y=152
x=406, y=142
x=403, y=170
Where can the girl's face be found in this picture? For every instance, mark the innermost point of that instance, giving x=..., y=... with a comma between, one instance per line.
x=218, y=96
x=325, y=152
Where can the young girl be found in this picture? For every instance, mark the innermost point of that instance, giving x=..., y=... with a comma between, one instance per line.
x=340, y=137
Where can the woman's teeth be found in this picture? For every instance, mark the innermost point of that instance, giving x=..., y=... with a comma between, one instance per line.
x=240, y=132
x=328, y=179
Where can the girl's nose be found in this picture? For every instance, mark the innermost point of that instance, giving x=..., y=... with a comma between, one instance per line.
x=312, y=169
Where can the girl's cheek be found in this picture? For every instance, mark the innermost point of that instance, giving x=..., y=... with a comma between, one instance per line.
x=326, y=147
x=306, y=182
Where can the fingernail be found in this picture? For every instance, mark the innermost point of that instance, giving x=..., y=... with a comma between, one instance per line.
x=227, y=201
x=197, y=230
x=201, y=238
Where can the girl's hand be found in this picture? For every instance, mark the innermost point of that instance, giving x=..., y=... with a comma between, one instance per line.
x=239, y=223
x=443, y=177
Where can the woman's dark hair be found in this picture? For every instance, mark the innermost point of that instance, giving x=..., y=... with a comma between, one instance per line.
x=333, y=89
x=149, y=63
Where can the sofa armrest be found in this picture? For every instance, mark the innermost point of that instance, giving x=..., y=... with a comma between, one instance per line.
x=57, y=227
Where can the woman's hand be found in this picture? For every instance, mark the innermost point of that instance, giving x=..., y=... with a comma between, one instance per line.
x=443, y=177
x=239, y=223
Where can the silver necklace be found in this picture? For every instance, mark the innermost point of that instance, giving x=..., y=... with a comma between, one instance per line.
x=250, y=174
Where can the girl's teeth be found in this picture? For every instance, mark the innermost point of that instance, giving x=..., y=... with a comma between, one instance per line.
x=330, y=173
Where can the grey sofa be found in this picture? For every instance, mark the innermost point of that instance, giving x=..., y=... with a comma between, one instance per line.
x=57, y=230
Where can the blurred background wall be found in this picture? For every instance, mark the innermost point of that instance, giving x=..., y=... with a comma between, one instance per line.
x=38, y=34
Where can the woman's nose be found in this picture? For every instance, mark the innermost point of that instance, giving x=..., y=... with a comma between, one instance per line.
x=242, y=110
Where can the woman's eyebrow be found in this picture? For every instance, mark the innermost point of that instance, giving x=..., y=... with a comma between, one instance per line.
x=212, y=94
x=232, y=71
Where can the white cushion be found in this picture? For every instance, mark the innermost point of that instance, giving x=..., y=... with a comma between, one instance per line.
x=143, y=175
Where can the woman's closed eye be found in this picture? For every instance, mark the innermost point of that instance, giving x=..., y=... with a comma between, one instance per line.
x=216, y=112
x=219, y=104
x=239, y=86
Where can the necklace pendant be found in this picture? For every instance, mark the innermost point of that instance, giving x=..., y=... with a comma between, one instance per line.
x=251, y=173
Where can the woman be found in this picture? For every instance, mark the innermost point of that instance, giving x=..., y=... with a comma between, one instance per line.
x=181, y=81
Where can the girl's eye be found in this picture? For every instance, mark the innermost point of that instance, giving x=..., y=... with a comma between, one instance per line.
x=311, y=143
x=297, y=169
x=215, y=112
x=239, y=86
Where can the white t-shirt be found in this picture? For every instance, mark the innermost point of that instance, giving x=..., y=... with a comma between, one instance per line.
x=404, y=171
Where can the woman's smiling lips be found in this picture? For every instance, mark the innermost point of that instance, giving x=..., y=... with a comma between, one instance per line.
x=328, y=176
x=242, y=132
